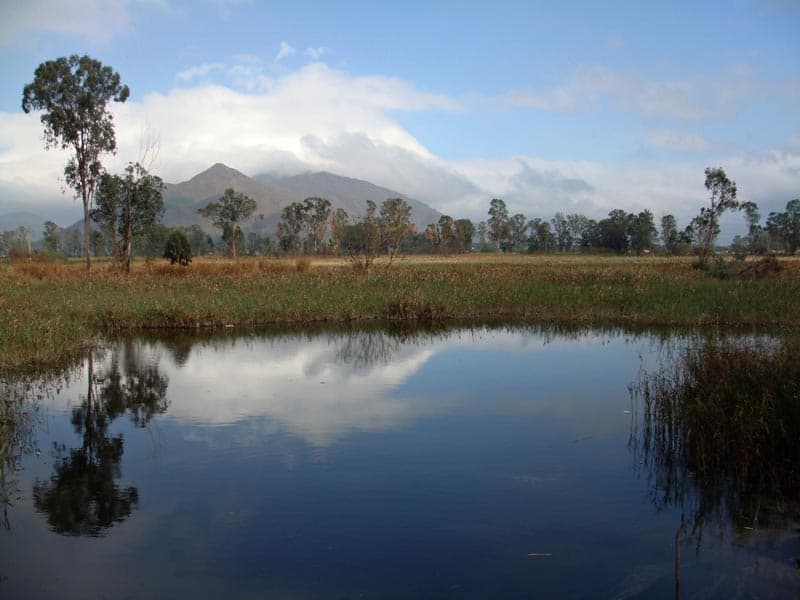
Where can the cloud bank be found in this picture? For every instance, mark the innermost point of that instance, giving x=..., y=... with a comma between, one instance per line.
x=318, y=117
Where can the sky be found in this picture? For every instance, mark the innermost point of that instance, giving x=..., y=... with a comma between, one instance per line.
x=571, y=106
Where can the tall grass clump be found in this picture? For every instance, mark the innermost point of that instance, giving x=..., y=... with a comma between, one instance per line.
x=723, y=427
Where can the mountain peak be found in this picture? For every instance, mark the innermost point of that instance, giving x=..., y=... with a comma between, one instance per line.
x=219, y=170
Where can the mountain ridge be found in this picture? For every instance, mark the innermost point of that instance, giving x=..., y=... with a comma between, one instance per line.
x=272, y=192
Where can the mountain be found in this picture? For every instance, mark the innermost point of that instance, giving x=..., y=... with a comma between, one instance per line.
x=34, y=223
x=181, y=200
x=273, y=192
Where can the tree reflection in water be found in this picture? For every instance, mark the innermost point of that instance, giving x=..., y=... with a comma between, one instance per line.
x=718, y=439
x=83, y=496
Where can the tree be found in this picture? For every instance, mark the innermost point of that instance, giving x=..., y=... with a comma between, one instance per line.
x=73, y=93
x=641, y=231
x=669, y=234
x=52, y=237
x=785, y=226
x=723, y=197
x=754, y=229
x=498, y=224
x=483, y=236
x=199, y=240
x=395, y=223
x=447, y=236
x=580, y=229
x=362, y=241
x=340, y=220
x=177, y=249
x=226, y=214
x=613, y=231
x=72, y=242
x=518, y=236
x=291, y=226
x=129, y=205
x=465, y=231
x=316, y=213
x=541, y=238
x=562, y=232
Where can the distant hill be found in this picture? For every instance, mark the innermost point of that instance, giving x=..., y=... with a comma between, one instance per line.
x=273, y=192
x=35, y=223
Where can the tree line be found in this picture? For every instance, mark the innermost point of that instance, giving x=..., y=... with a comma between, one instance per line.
x=73, y=93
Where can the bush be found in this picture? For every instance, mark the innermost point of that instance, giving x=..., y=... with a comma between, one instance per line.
x=177, y=248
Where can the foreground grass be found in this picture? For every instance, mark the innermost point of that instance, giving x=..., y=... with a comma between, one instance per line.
x=49, y=310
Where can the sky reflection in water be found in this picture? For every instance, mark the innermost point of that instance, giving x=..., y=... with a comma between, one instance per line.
x=475, y=463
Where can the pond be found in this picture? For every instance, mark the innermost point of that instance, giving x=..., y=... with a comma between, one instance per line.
x=471, y=463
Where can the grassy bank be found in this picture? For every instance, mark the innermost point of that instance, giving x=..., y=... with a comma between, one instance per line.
x=49, y=309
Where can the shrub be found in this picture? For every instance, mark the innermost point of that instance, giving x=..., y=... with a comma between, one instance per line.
x=177, y=248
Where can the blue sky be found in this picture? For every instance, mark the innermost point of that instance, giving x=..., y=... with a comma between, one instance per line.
x=577, y=107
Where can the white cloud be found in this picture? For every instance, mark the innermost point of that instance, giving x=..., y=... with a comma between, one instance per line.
x=199, y=71
x=316, y=53
x=590, y=87
x=321, y=118
x=99, y=20
x=225, y=7
x=678, y=140
x=284, y=51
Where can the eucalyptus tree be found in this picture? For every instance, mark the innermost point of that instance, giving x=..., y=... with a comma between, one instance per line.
x=291, y=226
x=562, y=231
x=498, y=223
x=541, y=237
x=669, y=234
x=395, y=224
x=722, y=197
x=51, y=237
x=518, y=232
x=340, y=220
x=316, y=214
x=641, y=231
x=613, y=231
x=73, y=94
x=785, y=226
x=128, y=205
x=362, y=240
x=465, y=231
x=231, y=209
x=754, y=229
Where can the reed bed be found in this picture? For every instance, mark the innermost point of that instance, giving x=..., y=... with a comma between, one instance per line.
x=720, y=430
x=49, y=309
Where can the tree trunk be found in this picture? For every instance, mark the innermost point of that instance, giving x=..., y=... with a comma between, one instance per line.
x=87, y=230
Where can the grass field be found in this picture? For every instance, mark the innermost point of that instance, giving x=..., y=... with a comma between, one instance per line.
x=49, y=309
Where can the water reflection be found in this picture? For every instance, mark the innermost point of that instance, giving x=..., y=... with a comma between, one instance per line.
x=17, y=420
x=83, y=496
x=479, y=462
x=718, y=440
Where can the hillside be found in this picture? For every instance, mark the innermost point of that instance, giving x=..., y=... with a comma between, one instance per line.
x=347, y=193
x=272, y=193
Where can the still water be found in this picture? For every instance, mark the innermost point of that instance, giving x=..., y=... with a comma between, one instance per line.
x=472, y=463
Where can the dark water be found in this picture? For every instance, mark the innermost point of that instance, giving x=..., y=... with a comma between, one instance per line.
x=479, y=463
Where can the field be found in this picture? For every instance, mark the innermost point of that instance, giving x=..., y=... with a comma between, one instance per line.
x=50, y=309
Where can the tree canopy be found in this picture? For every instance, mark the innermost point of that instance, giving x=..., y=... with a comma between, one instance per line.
x=226, y=214
x=73, y=94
